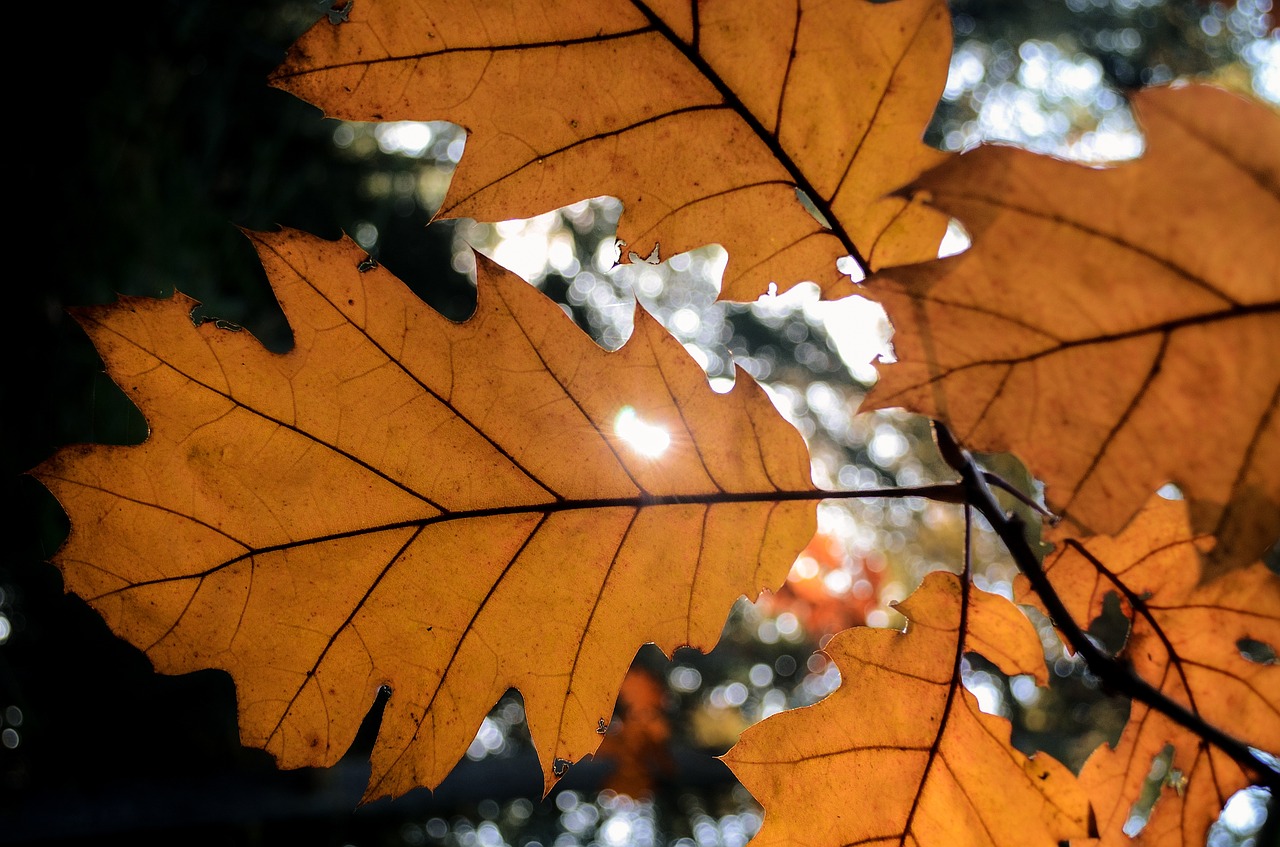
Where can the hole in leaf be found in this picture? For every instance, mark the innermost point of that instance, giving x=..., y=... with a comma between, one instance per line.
x=807, y=202
x=1111, y=628
x=986, y=683
x=849, y=266
x=1257, y=651
x=956, y=240
x=1157, y=777
x=1243, y=817
x=1169, y=491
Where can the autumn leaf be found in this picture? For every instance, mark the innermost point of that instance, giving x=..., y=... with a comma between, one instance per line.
x=1197, y=785
x=1115, y=328
x=447, y=509
x=901, y=753
x=1185, y=640
x=703, y=118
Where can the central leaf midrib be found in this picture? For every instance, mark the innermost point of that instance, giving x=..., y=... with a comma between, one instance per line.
x=942, y=491
x=732, y=100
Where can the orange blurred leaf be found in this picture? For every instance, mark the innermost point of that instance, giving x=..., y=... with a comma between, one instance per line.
x=637, y=741
x=704, y=119
x=900, y=753
x=1115, y=328
x=447, y=509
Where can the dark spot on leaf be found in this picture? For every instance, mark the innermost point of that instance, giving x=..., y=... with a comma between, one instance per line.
x=1257, y=651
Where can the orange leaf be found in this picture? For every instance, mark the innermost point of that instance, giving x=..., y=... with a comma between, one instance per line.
x=1205, y=778
x=1115, y=328
x=447, y=509
x=704, y=119
x=900, y=753
x=1185, y=641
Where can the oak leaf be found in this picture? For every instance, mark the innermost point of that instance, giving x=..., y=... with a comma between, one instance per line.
x=447, y=509
x=1185, y=640
x=703, y=118
x=900, y=753
x=1115, y=328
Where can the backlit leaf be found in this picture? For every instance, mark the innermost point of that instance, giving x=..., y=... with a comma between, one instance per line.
x=704, y=119
x=1185, y=640
x=900, y=753
x=447, y=509
x=1115, y=328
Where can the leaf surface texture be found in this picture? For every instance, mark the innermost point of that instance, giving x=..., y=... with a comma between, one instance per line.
x=900, y=754
x=1185, y=641
x=1116, y=327
x=446, y=509
x=703, y=118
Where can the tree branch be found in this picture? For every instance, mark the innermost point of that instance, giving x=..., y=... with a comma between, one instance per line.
x=1114, y=673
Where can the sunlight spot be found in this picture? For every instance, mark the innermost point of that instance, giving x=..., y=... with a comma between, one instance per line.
x=412, y=138
x=956, y=240
x=1246, y=811
x=849, y=266
x=645, y=438
x=804, y=568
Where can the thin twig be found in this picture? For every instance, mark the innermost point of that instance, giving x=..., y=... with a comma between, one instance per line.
x=1006, y=486
x=1115, y=674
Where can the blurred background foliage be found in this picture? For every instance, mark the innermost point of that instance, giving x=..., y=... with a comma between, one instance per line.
x=157, y=137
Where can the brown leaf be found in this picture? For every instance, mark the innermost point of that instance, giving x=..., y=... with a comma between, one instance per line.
x=900, y=753
x=447, y=509
x=1185, y=641
x=704, y=119
x=1115, y=328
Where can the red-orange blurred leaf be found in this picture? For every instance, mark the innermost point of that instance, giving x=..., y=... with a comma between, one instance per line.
x=638, y=739
x=807, y=596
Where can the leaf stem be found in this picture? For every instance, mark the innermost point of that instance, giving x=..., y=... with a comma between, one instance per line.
x=1115, y=674
x=770, y=139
